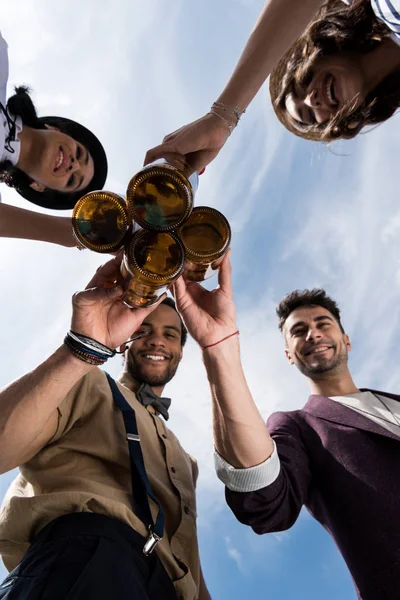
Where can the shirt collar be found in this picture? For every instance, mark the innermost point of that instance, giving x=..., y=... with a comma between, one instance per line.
x=145, y=395
x=12, y=146
x=128, y=381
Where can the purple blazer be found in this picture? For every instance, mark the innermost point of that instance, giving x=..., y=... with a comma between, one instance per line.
x=346, y=470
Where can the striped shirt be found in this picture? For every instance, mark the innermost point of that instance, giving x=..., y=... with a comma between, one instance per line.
x=387, y=11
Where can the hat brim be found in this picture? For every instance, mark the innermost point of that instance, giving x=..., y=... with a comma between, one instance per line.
x=64, y=200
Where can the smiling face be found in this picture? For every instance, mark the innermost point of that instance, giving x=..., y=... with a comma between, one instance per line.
x=155, y=358
x=56, y=161
x=315, y=342
x=333, y=82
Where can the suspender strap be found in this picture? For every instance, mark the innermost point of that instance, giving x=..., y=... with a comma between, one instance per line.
x=141, y=488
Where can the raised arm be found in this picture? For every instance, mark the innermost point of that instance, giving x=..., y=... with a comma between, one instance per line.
x=28, y=406
x=29, y=225
x=281, y=22
x=263, y=491
x=240, y=434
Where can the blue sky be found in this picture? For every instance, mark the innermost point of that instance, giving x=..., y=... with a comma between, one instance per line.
x=302, y=215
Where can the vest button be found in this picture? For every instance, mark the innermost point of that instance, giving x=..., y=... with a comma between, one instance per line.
x=186, y=509
x=173, y=469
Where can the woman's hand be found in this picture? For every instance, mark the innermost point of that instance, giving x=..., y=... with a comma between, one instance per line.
x=202, y=140
x=98, y=311
x=208, y=316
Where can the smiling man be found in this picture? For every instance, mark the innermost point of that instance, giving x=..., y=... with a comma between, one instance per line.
x=149, y=365
x=338, y=456
x=104, y=505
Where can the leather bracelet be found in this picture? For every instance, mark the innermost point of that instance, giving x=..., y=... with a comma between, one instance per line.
x=223, y=339
x=87, y=343
x=91, y=351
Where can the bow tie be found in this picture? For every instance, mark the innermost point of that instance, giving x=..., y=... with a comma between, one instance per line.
x=147, y=397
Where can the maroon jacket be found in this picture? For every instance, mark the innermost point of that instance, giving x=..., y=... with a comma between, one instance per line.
x=346, y=470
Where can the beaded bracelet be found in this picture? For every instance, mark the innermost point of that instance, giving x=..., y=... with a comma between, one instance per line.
x=86, y=357
x=91, y=351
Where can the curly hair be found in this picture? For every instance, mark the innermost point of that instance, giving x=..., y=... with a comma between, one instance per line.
x=310, y=298
x=19, y=105
x=337, y=28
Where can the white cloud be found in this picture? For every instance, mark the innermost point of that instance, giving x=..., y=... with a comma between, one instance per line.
x=234, y=553
x=301, y=216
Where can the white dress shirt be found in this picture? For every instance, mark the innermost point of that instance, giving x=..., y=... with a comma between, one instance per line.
x=380, y=409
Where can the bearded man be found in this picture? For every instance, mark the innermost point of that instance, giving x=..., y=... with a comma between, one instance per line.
x=104, y=505
x=338, y=456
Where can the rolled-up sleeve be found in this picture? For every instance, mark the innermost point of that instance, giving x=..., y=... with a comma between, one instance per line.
x=250, y=479
x=276, y=506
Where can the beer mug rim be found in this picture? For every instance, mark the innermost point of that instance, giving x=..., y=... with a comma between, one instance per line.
x=101, y=195
x=193, y=254
x=136, y=239
x=177, y=177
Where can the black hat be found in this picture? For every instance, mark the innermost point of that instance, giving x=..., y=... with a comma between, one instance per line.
x=64, y=200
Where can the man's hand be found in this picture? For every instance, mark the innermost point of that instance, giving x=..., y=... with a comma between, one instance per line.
x=99, y=312
x=208, y=316
x=202, y=140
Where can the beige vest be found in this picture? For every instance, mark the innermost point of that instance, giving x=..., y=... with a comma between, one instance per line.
x=85, y=468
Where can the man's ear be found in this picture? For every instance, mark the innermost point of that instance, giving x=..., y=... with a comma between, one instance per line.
x=347, y=342
x=289, y=356
x=180, y=355
x=123, y=348
x=51, y=127
x=38, y=187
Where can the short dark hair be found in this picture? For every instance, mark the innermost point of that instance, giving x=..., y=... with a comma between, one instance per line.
x=171, y=303
x=314, y=297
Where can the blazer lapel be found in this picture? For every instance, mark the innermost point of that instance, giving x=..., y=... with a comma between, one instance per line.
x=325, y=408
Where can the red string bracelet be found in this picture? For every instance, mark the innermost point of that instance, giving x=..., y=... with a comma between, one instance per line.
x=223, y=339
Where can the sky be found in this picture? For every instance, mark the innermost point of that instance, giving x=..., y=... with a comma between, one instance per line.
x=302, y=215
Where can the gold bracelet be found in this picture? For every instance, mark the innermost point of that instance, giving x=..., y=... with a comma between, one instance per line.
x=235, y=110
x=230, y=126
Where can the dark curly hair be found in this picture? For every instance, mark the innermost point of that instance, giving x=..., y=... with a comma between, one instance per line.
x=299, y=298
x=337, y=28
x=20, y=105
